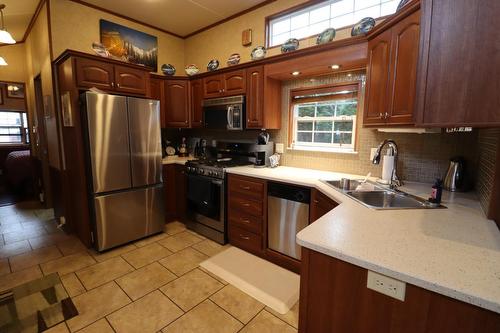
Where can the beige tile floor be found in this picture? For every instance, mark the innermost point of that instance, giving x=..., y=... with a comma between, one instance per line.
x=153, y=285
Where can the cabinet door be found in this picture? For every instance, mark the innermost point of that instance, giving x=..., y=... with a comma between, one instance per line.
x=155, y=92
x=377, y=82
x=404, y=57
x=213, y=86
x=130, y=80
x=181, y=190
x=255, y=97
x=196, y=103
x=92, y=73
x=320, y=205
x=176, y=103
x=170, y=192
x=234, y=83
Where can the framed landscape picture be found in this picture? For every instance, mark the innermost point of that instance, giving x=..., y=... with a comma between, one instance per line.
x=129, y=45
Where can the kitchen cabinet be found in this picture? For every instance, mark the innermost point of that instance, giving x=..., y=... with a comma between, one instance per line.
x=393, y=53
x=175, y=189
x=334, y=298
x=320, y=205
x=255, y=97
x=247, y=211
x=226, y=84
x=459, y=77
x=156, y=92
x=110, y=77
x=196, y=95
x=176, y=99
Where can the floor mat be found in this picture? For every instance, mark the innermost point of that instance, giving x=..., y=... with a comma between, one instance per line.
x=268, y=283
x=35, y=306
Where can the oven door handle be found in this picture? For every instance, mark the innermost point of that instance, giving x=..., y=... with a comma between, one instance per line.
x=217, y=182
x=229, y=117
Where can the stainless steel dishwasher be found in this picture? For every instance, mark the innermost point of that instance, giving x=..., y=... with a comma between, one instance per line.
x=287, y=214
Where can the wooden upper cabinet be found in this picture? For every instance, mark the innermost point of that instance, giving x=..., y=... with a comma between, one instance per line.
x=196, y=103
x=403, y=80
x=234, y=83
x=130, y=80
x=213, y=86
x=93, y=73
x=255, y=97
x=176, y=98
x=377, y=80
x=155, y=92
x=459, y=80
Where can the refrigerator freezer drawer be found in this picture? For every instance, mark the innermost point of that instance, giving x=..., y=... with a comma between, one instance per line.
x=125, y=216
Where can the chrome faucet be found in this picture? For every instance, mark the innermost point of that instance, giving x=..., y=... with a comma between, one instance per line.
x=395, y=182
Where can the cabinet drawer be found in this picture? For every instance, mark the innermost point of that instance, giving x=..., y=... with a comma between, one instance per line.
x=247, y=187
x=245, y=239
x=244, y=205
x=245, y=221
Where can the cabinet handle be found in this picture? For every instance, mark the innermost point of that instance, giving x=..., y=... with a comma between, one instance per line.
x=244, y=237
x=186, y=121
x=244, y=220
x=316, y=201
x=244, y=204
x=118, y=85
x=245, y=187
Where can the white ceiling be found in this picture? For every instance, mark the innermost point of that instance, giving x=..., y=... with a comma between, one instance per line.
x=17, y=15
x=180, y=17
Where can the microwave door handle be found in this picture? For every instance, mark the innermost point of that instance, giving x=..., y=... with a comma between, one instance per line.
x=230, y=117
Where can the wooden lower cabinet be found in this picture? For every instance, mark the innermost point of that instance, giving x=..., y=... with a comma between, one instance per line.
x=334, y=299
x=320, y=205
x=175, y=188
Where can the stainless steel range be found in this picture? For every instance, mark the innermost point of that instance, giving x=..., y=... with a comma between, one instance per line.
x=206, y=193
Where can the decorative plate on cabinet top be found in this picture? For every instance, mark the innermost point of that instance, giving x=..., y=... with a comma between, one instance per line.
x=363, y=26
x=402, y=3
x=290, y=45
x=192, y=70
x=100, y=50
x=170, y=151
x=168, y=69
x=212, y=65
x=258, y=53
x=326, y=36
x=234, y=59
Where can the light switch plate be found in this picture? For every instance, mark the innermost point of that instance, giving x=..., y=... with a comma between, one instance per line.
x=279, y=148
x=386, y=285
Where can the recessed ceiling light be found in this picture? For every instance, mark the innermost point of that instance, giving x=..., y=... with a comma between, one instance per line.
x=335, y=66
x=295, y=73
x=349, y=75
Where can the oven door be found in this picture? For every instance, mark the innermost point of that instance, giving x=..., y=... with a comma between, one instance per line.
x=206, y=201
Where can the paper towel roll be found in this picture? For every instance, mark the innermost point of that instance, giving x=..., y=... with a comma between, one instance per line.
x=387, y=167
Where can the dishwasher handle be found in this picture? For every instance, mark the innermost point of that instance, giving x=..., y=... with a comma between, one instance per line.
x=289, y=192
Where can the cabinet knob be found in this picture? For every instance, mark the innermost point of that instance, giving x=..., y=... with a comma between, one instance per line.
x=112, y=84
x=245, y=187
x=186, y=121
x=386, y=115
x=244, y=204
x=316, y=201
x=244, y=220
x=381, y=115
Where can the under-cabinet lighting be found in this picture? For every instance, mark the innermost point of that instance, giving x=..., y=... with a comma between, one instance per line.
x=335, y=67
x=295, y=73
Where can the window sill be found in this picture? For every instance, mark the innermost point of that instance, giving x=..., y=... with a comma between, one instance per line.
x=324, y=150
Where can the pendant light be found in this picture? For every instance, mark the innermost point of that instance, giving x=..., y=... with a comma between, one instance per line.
x=3, y=62
x=5, y=37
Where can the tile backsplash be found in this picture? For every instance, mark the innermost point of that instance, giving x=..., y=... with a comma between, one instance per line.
x=488, y=141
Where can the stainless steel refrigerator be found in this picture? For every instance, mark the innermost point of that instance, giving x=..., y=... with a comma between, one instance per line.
x=123, y=139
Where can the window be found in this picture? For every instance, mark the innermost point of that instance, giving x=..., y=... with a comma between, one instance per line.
x=324, y=119
x=312, y=20
x=13, y=127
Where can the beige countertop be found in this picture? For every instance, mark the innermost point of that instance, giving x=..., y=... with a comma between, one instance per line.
x=176, y=159
x=454, y=251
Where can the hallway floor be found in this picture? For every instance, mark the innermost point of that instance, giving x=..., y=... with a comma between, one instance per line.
x=152, y=285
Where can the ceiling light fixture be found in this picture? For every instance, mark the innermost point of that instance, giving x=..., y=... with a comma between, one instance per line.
x=335, y=67
x=5, y=37
x=295, y=73
x=3, y=62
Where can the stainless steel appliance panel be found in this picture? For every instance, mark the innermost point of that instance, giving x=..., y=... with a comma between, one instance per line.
x=125, y=216
x=285, y=219
x=108, y=142
x=145, y=141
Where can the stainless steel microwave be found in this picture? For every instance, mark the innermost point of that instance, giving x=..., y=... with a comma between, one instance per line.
x=224, y=113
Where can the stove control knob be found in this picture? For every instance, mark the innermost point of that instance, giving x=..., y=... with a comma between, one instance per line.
x=201, y=171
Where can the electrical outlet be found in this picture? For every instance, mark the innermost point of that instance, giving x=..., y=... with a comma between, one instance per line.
x=373, y=151
x=386, y=285
x=279, y=148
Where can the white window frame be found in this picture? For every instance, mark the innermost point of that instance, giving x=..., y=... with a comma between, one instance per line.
x=331, y=18
x=320, y=146
x=23, y=129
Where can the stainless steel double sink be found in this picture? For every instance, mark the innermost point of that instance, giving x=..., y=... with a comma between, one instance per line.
x=380, y=197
